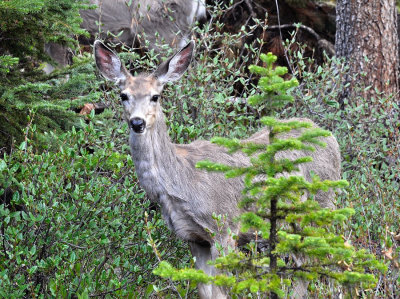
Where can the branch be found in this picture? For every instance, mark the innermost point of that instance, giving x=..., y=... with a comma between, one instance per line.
x=73, y=245
x=322, y=43
x=113, y=290
x=305, y=28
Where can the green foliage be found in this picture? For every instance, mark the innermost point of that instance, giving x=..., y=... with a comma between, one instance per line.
x=211, y=99
x=275, y=212
x=272, y=85
x=72, y=220
x=83, y=160
x=208, y=101
x=27, y=96
x=367, y=131
x=47, y=104
x=36, y=22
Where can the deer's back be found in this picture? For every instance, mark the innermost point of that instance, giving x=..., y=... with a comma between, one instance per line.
x=114, y=16
x=171, y=19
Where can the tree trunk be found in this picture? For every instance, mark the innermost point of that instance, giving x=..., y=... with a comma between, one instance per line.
x=366, y=35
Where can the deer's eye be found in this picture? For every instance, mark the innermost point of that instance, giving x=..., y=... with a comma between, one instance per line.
x=124, y=97
x=155, y=98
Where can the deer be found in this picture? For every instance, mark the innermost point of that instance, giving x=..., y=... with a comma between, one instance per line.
x=168, y=20
x=155, y=21
x=189, y=196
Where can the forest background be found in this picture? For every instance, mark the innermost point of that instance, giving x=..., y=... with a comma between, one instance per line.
x=72, y=214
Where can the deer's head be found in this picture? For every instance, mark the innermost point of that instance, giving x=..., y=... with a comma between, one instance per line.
x=140, y=94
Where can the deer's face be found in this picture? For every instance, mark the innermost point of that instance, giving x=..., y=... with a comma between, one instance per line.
x=140, y=95
x=140, y=100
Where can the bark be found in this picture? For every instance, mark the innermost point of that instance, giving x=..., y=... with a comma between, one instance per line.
x=366, y=35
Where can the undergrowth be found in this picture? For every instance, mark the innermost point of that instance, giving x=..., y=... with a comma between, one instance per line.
x=368, y=134
x=72, y=214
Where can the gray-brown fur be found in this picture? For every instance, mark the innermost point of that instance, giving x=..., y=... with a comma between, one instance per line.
x=171, y=19
x=188, y=196
x=156, y=21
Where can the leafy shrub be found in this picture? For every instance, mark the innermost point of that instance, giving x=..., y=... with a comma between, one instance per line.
x=72, y=220
x=368, y=134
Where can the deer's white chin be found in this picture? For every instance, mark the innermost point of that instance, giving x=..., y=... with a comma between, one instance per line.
x=138, y=133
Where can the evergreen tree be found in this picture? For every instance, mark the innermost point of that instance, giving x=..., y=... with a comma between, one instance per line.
x=275, y=212
x=29, y=98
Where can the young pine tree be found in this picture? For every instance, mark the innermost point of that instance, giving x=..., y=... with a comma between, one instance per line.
x=28, y=98
x=301, y=238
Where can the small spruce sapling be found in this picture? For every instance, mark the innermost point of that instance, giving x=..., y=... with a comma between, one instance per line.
x=275, y=212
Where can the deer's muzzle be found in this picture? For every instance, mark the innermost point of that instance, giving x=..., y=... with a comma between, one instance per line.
x=137, y=124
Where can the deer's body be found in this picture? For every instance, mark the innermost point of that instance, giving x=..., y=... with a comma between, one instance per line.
x=188, y=196
x=170, y=19
x=156, y=21
x=167, y=172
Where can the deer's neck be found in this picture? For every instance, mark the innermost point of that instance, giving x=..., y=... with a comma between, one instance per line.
x=155, y=159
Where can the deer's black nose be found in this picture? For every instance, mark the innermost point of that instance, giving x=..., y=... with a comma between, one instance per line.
x=138, y=124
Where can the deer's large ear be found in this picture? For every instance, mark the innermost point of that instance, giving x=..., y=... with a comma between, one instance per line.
x=174, y=67
x=108, y=63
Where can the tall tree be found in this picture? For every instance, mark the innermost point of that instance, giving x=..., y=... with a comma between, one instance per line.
x=366, y=36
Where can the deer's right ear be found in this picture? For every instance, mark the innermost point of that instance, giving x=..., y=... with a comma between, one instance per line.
x=173, y=68
x=108, y=63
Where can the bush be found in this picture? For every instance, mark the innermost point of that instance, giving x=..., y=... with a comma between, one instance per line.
x=368, y=137
x=72, y=220
x=71, y=211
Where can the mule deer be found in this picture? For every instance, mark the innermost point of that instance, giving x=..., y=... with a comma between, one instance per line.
x=168, y=20
x=189, y=196
x=156, y=21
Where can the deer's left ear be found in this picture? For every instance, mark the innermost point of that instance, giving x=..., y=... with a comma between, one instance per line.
x=108, y=63
x=174, y=67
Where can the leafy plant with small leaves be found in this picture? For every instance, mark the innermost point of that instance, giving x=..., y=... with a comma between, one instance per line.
x=72, y=220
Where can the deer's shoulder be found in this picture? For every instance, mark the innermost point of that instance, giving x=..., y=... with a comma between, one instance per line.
x=201, y=150
x=198, y=149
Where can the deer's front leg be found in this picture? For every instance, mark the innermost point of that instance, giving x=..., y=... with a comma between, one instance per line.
x=202, y=253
